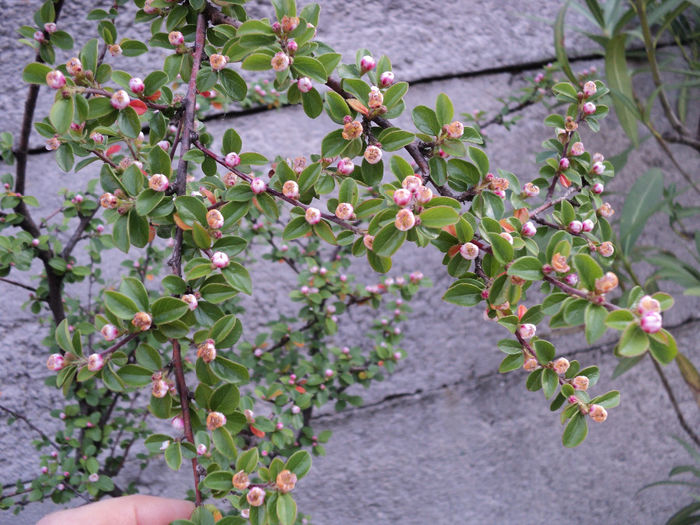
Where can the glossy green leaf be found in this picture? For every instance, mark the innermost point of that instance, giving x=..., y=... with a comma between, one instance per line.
x=168, y=309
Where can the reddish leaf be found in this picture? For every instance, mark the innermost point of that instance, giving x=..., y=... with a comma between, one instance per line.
x=521, y=311
x=154, y=96
x=257, y=432
x=139, y=106
x=564, y=181
x=453, y=250
x=114, y=149
x=300, y=389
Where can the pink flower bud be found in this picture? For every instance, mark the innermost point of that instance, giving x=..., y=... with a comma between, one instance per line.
x=55, y=362
x=98, y=138
x=539, y=77
x=589, y=88
x=176, y=38
x=589, y=108
x=290, y=189
x=412, y=183
x=215, y=420
x=324, y=271
x=159, y=388
x=220, y=260
x=648, y=304
x=35, y=242
x=368, y=241
x=455, y=129
x=201, y=449
x=651, y=322
x=469, y=251
x=527, y=331
x=295, y=409
x=598, y=168
x=313, y=215
x=424, y=195
x=115, y=50
x=257, y=185
x=564, y=163
x=530, y=364
x=561, y=365
x=136, y=85
x=232, y=159
x=74, y=66
x=531, y=190
x=120, y=99
x=598, y=188
x=405, y=220
x=177, y=423
x=345, y=166
x=344, y=211
x=109, y=332
x=402, y=197
x=416, y=277
x=606, y=249
x=95, y=362
x=94, y=478
x=255, y=497
x=191, y=301
x=571, y=279
x=258, y=352
x=577, y=149
x=292, y=46
x=606, y=210
x=598, y=413
x=386, y=79
x=304, y=84
x=305, y=290
x=598, y=157
x=39, y=37
x=280, y=61
x=581, y=383
x=328, y=372
x=529, y=229
x=373, y=154
x=158, y=182
x=367, y=63
x=575, y=227
x=218, y=62
x=215, y=219
x=279, y=425
x=587, y=225
x=507, y=236
x=55, y=79
x=50, y=27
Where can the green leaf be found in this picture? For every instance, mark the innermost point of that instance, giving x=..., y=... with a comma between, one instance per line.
x=528, y=268
x=463, y=294
x=588, y=270
x=248, y=461
x=168, y=309
x=138, y=229
x=191, y=210
x=620, y=84
x=308, y=177
x=257, y=62
x=135, y=375
x=608, y=400
x=120, y=305
x=550, y=382
x=388, y=240
x=619, y=319
x=61, y=114
x=501, y=248
x=575, y=431
x=133, y=48
x=633, y=341
x=444, y=109
x=99, y=107
x=129, y=123
x=559, y=47
x=297, y=227
x=480, y=159
x=224, y=442
x=35, y=73
x=439, y=217
x=64, y=157
x=135, y=290
x=63, y=337
x=643, y=200
x=148, y=200
x=378, y=263
x=173, y=455
x=337, y=108
x=238, y=277
x=310, y=67
x=299, y=463
x=544, y=350
x=663, y=347
x=225, y=399
x=594, y=317
x=333, y=144
x=219, y=480
x=426, y=120
x=394, y=94
x=286, y=509
x=233, y=84
x=511, y=362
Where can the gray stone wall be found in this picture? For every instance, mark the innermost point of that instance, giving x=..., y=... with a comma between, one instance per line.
x=446, y=439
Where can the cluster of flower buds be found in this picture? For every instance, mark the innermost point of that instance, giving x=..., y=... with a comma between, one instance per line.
x=498, y=185
x=352, y=129
x=649, y=310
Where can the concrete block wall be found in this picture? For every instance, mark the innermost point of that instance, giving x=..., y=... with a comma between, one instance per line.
x=446, y=439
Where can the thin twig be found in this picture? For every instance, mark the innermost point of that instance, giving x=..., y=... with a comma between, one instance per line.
x=15, y=283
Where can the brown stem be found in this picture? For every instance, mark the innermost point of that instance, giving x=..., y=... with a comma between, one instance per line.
x=121, y=343
x=76, y=237
x=176, y=259
x=104, y=158
x=275, y=193
x=15, y=283
x=595, y=299
x=672, y=398
x=217, y=17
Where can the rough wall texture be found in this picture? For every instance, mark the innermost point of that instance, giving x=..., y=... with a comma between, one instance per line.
x=446, y=439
